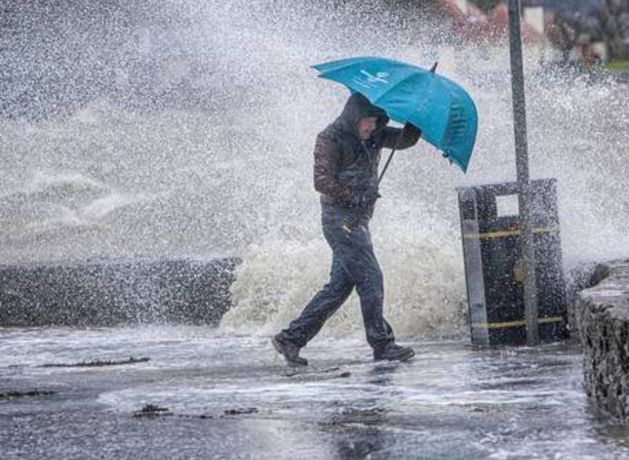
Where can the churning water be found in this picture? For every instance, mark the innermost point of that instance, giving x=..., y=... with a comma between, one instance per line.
x=186, y=128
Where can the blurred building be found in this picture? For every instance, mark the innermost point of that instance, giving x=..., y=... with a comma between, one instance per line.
x=584, y=31
x=478, y=26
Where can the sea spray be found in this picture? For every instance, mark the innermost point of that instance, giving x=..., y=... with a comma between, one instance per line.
x=187, y=129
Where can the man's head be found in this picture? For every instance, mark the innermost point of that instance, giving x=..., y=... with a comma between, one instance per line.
x=362, y=117
x=366, y=127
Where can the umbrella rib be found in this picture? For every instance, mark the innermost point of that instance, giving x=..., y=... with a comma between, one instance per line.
x=348, y=63
x=354, y=61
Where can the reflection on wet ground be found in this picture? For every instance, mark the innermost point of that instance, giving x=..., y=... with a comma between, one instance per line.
x=200, y=394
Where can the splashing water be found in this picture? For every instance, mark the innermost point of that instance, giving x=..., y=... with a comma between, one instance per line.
x=193, y=135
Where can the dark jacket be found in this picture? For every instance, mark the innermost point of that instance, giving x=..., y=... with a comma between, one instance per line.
x=344, y=164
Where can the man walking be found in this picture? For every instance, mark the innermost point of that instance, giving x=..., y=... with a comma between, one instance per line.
x=346, y=158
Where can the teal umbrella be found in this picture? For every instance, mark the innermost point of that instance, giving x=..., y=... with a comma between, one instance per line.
x=443, y=110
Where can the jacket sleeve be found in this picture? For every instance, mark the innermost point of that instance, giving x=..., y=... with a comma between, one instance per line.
x=410, y=136
x=326, y=167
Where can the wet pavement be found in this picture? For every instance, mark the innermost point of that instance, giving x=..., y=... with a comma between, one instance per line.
x=223, y=396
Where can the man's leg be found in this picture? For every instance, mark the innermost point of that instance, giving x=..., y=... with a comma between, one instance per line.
x=364, y=269
x=360, y=263
x=321, y=307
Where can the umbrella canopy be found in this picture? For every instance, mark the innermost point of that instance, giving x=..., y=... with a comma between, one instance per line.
x=438, y=106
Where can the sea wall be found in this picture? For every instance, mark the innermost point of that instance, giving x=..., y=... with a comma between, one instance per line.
x=602, y=317
x=109, y=292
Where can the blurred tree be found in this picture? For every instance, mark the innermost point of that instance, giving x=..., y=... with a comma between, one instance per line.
x=615, y=25
x=576, y=31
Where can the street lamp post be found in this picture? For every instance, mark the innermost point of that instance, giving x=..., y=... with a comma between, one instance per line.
x=522, y=166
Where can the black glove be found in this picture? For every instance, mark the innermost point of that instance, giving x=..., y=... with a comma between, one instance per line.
x=411, y=130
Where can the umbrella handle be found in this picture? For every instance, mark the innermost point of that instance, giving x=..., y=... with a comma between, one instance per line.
x=397, y=143
x=386, y=165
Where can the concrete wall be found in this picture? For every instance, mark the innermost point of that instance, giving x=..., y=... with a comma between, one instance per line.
x=602, y=316
x=109, y=292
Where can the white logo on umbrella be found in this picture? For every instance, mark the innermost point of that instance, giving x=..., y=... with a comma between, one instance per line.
x=379, y=77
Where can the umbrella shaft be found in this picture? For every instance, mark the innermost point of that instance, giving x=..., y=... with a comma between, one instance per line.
x=386, y=165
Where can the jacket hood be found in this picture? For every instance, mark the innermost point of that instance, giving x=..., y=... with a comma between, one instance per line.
x=357, y=107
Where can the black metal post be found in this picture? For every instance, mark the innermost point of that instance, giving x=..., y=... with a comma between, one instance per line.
x=522, y=166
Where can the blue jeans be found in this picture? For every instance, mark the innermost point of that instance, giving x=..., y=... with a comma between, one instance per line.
x=354, y=264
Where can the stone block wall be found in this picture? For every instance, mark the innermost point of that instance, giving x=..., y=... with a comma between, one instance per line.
x=602, y=315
